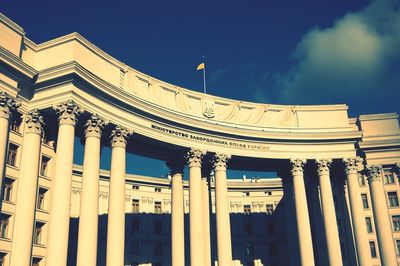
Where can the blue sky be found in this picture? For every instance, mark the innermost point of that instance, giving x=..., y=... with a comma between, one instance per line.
x=284, y=52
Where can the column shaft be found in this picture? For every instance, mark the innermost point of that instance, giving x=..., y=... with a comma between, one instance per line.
x=58, y=227
x=26, y=195
x=357, y=214
x=206, y=222
x=177, y=221
x=302, y=218
x=382, y=223
x=329, y=215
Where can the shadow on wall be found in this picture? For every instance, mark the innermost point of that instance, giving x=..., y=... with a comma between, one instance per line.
x=256, y=238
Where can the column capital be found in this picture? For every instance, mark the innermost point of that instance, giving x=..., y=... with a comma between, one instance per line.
x=297, y=166
x=94, y=126
x=352, y=164
x=194, y=157
x=34, y=122
x=220, y=161
x=323, y=166
x=176, y=164
x=68, y=112
x=7, y=105
x=119, y=136
x=374, y=173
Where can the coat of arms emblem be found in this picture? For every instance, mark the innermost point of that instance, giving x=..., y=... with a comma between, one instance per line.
x=208, y=109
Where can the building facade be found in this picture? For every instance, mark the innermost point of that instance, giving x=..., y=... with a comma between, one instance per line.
x=334, y=200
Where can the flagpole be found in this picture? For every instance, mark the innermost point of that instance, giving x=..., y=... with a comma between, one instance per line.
x=204, y=79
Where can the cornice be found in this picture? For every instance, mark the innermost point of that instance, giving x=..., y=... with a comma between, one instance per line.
x=12, y=25
x=16, y=63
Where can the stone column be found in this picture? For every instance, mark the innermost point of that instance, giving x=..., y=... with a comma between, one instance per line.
x=328, y=212
x=7, y=105
x=194, y=158
x=27, y=187
x=58, y=226
x=206, y=168
x=301, y=209
x=224, y=243
x=382, y=223
x=176, y=165
x=357, y=213
x=116, y=200
x=89, y=205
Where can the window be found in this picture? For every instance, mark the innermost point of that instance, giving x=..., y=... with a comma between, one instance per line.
x=158, y=249
x=247, y=209
x=12, y=155
x=3, y=258
x=388, y=177
x=396, y=222
x=369, y=224
x=37, y=234
x=157, y=207
x=270, y=208
x=372, y=248
x=361, y=180
x=135, y=206
x=44, y=167
x=135, y=226
x=36, y=261
x=246, y=194
x=4, y=218
x=393, y=200
x=157, y=227
x=269, y=193
x=272, y=248
x=398, y=247
x=7, y=189
x=271, y=228
x=41, y=198
x=15, y=124
x=365, y=201
x=135, y=247
x=248, y=229
x=135, y=187
x=157, y=189
x=249, y=249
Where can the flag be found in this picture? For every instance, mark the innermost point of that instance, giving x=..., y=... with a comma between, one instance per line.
x=201, y=66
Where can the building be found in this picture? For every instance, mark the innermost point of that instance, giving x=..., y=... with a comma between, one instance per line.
x=334, y=200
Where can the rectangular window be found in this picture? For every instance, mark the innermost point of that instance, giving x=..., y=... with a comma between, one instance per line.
x=361, y=180
x=249, y=249
x=272, y=249
x=4, y=220
x=158, y=249
x=247, y=209
x=135, y=226
x=135, y=206
x=248, y=229
x=388, y=177
x=393, y=200
x=365, y=201
x=37, y=234
x=372, y=248
x=12, y=155
x=7, y=189
x=157, y=189
x=44, y=166
x=16, y=123
x=270, y=208
x=271, y=228
x=369, y=224
x=396, y=222
x=136, y=187
x=157, y=227
x=41, y=198
x=135, y=247
x=157, y=207
x=398, y=246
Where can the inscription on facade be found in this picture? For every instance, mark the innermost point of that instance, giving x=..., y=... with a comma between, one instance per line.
x=234, y=144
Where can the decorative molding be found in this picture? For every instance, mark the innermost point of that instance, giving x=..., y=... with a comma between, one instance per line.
x=220, y=161
x=352, y=164
x=374, y=173
x=194, y=157
x=94, y=126
x=68, y=112
x=34, y=122
x=119, y=136
x=323, y=166
x=297, y=166
x=7, y=105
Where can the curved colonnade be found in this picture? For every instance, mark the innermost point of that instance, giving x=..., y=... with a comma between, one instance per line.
x=69, y=78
